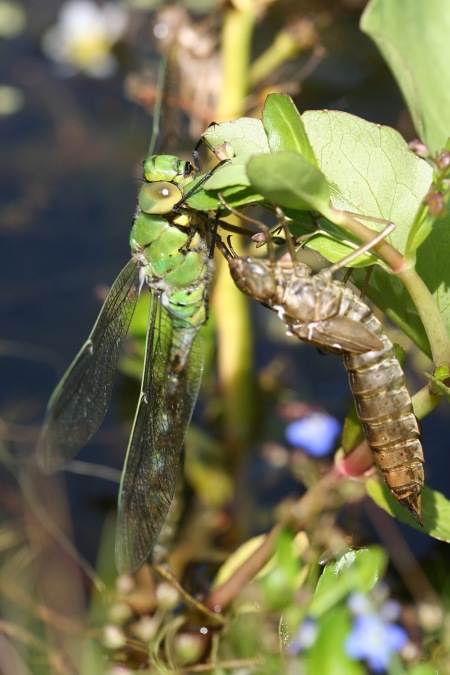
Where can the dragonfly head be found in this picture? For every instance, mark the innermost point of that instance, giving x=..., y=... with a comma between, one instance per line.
x=167, y=168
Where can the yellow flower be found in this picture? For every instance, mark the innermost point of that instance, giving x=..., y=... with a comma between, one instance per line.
x=83, y=37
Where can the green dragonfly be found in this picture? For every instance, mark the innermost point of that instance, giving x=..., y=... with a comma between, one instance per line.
x=172, y=254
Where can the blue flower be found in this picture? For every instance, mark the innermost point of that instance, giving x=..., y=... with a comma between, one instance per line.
x=374, y=641
x=304, y=638
x=359, y=604
x=315, y=433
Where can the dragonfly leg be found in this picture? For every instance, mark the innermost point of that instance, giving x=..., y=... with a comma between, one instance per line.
x=289, y=241
x=196, y=153
x=348, y=274
x=261, y=226
x=362, y=249
x=214, y=235
x=235, y=229
x=202, y=180
x=227, y=251
x=186, y=246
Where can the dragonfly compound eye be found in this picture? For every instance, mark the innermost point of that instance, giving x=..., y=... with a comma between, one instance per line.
x=159, y=198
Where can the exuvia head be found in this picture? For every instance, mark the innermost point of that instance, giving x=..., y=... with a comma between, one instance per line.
x=253, y=278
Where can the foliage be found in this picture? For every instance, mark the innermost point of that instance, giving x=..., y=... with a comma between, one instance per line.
x=306, y=597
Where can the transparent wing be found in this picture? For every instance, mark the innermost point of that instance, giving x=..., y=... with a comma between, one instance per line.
x=172, y=373
x=79, y=402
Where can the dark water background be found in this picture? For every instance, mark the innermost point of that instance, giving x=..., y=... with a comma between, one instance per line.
x=69, y=164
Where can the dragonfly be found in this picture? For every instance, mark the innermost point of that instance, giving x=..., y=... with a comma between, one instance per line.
x=322, y=311
x=171, y=253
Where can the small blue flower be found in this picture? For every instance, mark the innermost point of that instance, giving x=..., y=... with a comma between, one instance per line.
x=359, y=604
x=315, y=433
x=390, y=610
x=374, y=641
x=304, y=638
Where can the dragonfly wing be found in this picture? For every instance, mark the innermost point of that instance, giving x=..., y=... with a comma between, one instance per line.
x=79, y=403
x=172, y=374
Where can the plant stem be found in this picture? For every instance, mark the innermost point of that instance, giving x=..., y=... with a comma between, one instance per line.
x=234, y=329
x=430, y=316
x=426, y=307
x=237, y=32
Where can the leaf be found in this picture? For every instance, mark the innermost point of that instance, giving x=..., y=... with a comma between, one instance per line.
x=284, y=127
x=354, y=571
x=435, y=509
x=288, y=180
x=438, y=386
x=352, y=433
x=231, y=174
x=204, y=470
x=245, y=135
x=281, y=582
x=418, y=59
x=234, y=561
x=422, y=669
x=334, y=250
x=328, y=654
x=236, y=196
x=373, y=167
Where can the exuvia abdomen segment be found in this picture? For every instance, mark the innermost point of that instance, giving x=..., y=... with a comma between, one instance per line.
x=323, y=312
x=391, y=429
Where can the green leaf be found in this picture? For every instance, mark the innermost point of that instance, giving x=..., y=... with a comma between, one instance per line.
x=245, y=135
x=435, y=509
x=354, y=571
x=352, y=433
x=205, y=470
x=284, y=127
x=442, y=373
x=238, y=558
x=438, y=386
x=328, y=655
x=334, y=250
x=230, y=175
x=422, y=669
x=419, y=233
x=373, y=167
x=432, y=265
x=288, y=180
x=236, y=196
x=418, y=58
x=390, y=294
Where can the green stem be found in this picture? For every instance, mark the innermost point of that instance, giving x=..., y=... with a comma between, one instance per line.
x=424, y=402
x=283, y=48
x=234, y=330
x=430, y=316
x=384, y=249
x=237, y=33
x=426, y=307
